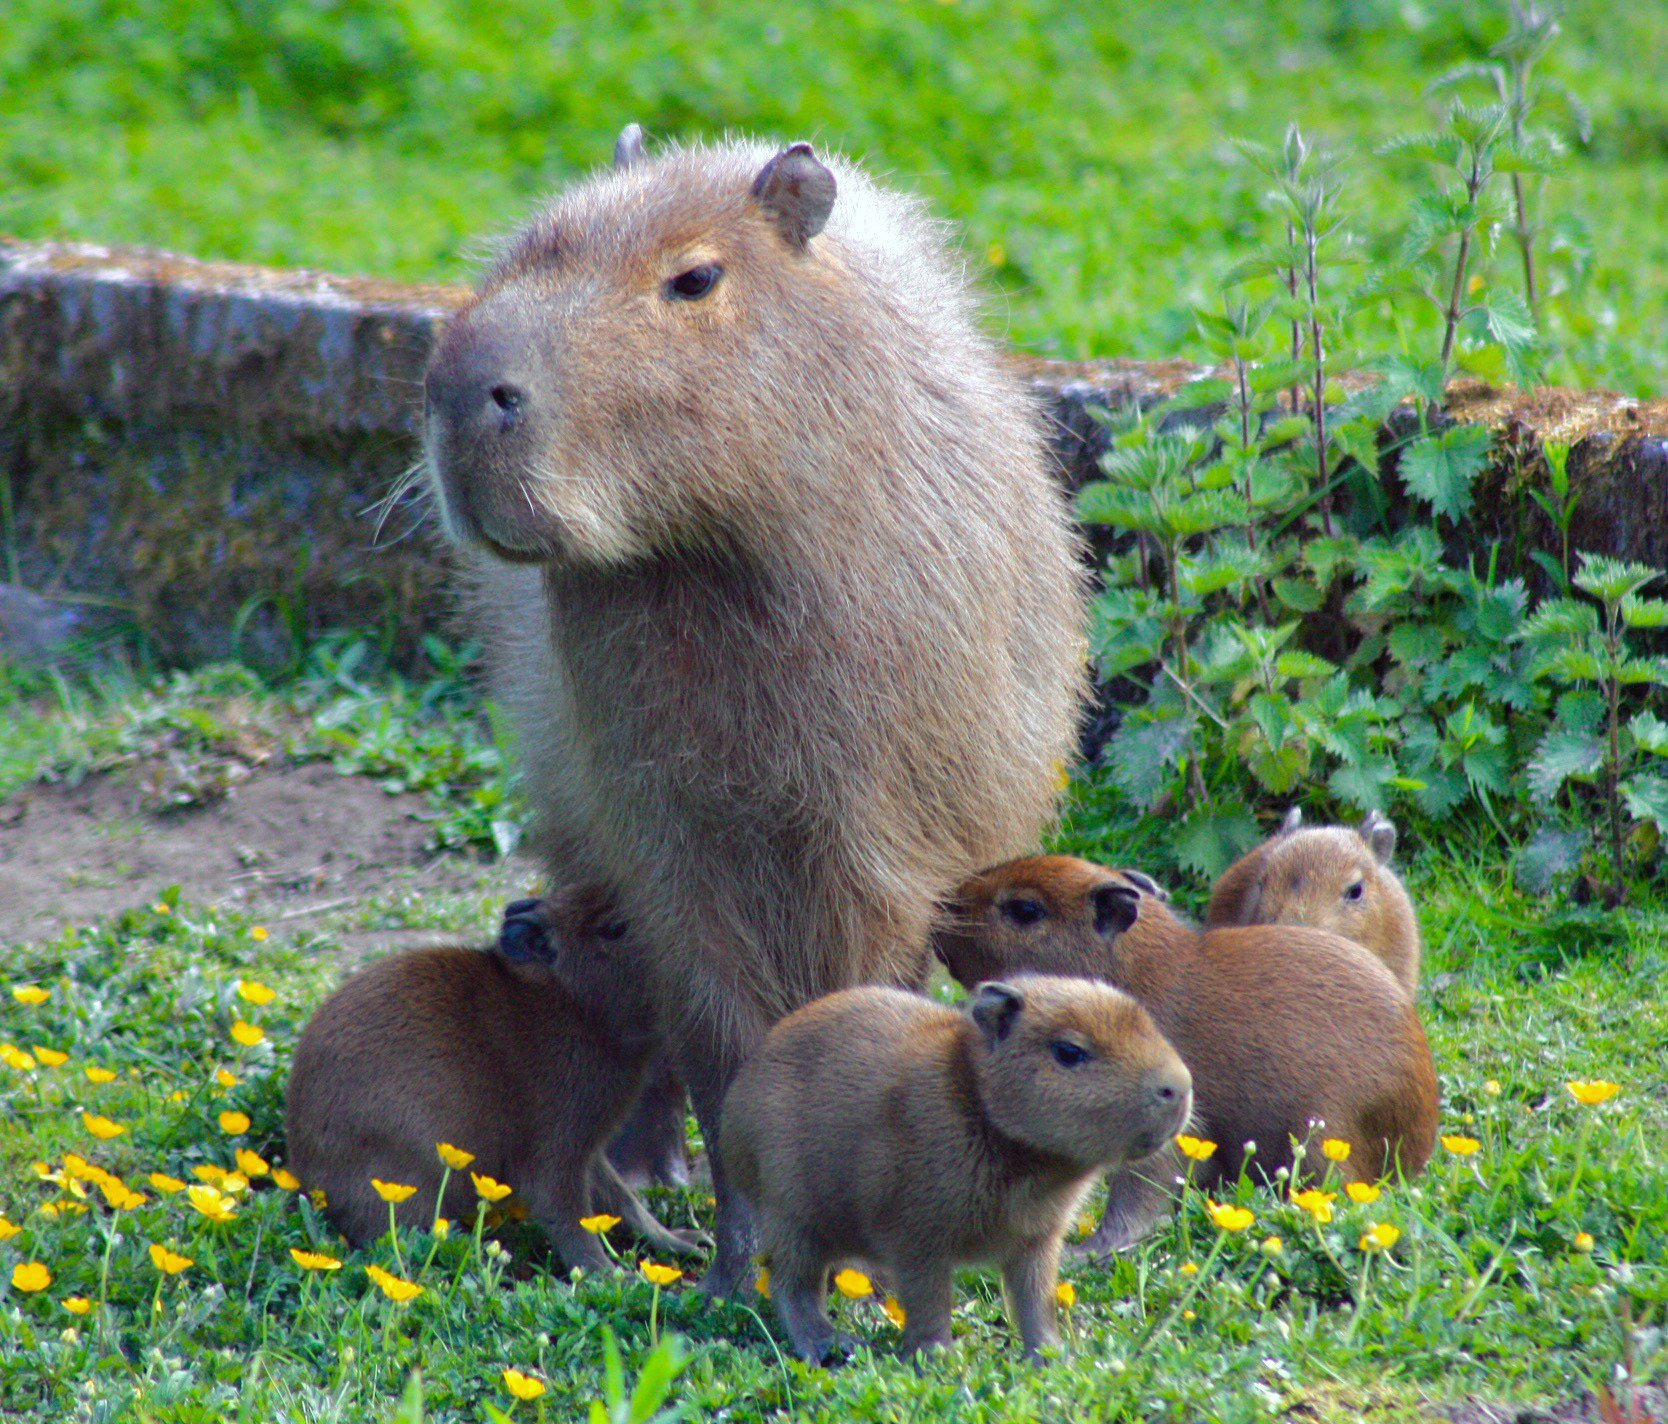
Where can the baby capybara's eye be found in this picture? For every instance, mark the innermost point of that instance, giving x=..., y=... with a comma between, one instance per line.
x=1354, y=892
x=611, y=929
x=694, y=284
x=1068, y=1054
x=1024, y=912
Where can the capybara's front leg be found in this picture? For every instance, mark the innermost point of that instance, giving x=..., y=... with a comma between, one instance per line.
x=1030, y=1277
x=610, y=1194
x=1137, y=1198
x=708, y=1069
x=650, y=1148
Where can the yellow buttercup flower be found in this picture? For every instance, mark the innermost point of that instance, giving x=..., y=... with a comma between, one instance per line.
x=251, y=1164
x=258, y=933
x=1189, y=1268
x=392, y=1191
x=487, y=1189
x=179, y=1095
x=1335, y=1149
x=1271, y=1246
x=1591, y=1094
x=1363, y=1193
x=30, y=995
x=101, y=1127
x=1583, y=1242
x=51, y=1057
x=659, y=1275
x=1066, y=1294
x=99, y=1075
x=15, y=1058
x=1491, y=1088
x=213, y=1204
x=30, y=1276
x=232, y=1123
x=168, y=1262
x=225, y=1079
x=79, y=1169
x=454, y=1157
x=761, y=1283
x=1461, y=1146
x=854, y=1285
x=1190, y=1316
x=208, y=1172
x=1229, y=1218
x=165, y=1184
x=77, y=1304
x=893, y=1310
x=247, y=1034
x=1380, y=1238
x=282, y=1177
x=120, y=1195
x=314, y=1260
x=442, y=1228
x=162, y=907
x=251, y=991
x=318, y=1199
x=599, y=1225
x=1317, y=1203
x=522, y=1386
x=1198, y=1148
x=392, y=1286
x=8, y=1229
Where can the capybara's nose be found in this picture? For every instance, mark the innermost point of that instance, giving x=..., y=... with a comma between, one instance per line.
x=1171, y=1089
x=472, y=389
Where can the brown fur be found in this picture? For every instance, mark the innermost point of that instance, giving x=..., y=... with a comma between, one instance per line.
x=880, y=1127
x=1333, y=878
x=775, y=584
x=1290, y=1033
x=529, y=1065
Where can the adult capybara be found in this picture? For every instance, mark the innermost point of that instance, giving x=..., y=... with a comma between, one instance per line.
x=878, y=1126
x=1290, y=1033
x=773, y=580
x=1335, y=878
x=527, y=1056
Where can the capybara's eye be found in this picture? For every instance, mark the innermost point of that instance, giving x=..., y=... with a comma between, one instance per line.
x=694, y=284
x=1355, y=891
x=1024, y=912
x=1068, y=1054
x=611, y=929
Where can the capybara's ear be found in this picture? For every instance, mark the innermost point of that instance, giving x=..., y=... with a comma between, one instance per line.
x=1380, y=833
x=522, y=938
x=1145, y=884
x=628, y=147
x=1116, y=907
x=796, y=193
x=995, y=1007
x=1293, y=820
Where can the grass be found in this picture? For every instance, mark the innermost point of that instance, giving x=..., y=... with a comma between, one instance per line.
x=1490, y=1291
x=1082, y=149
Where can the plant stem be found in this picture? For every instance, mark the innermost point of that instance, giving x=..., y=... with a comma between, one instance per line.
x=1474, y=184
x=1318, y=351
x=1297, y=326
x=1613, y=766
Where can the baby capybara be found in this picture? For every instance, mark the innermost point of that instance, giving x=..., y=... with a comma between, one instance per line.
x=527, y=1056
x=877, y=1126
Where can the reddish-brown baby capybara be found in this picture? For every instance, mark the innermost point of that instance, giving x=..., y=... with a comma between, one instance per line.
x=879, y=1127
x=1334, y=878
x=527, y=1056
x=1290, y=1033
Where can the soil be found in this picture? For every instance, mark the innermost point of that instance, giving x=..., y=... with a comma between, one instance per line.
x=289, y=844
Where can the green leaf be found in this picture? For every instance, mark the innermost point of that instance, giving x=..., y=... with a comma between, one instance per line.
x=1612, y=580
x=1646, y=795
x=1363, y=786
x=1440, y=468
x=1140, y=754
x=1560, y=756
x=1559, y=618
x=1551, y=852
x=1644, y=612
x=1649, y=732
x=1300, y=664
x=1297, y=595
x=410, y=1409
x=1415, y=644
x=1580, y=710
x=1509, y=319
x=1210, y=839
x=662, y=1367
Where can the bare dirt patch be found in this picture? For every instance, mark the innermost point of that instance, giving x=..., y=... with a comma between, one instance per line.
x=289, y=843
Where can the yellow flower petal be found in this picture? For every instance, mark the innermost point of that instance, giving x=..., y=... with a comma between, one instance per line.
x=442, y=1228
x=1491, y=1088
x=162, y=907
x=225, y=1079
x=251, y=991
x=1198, y=1148
x=51, y=1057
x=392, y=1286
x=101, y=1127
x=208, y=1172
x=8, y=1229
x=1591, y=1094
x=165, y=1184
x=1190, y=1316
x=1271, y=1246
x=1317, y=1203
x=1361, y=1193
x=488, y=1189
x=232, y=1123
x=211, y=1203
x=454, y=1157
x=30, y=1276
x=1335, y=1149
x=599, y=1225
x=179, y=1095
x=251, y=1164
x=99, y=1075
x=761, y=1283
x=1583, y=1242
x=854, y=1285
x=659, y=1275
x=1066, y=1294
x=392, y=1191
x=1189, y=1268
x=1229, y=1218
x=15, y=1058
x=31, y=995
x=247, y=1034
x=522, y=1386
x=314, y=1260
x=258, y=933
x=77, y=1304
x=1380, y=1237
x=1461, y=1146
x=167, y=1261
x=282, y=1177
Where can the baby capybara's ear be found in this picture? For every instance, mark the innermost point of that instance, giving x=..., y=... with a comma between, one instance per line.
x=796, y=193
x=1116, y=908
x=522, y=938
x=994, y=1008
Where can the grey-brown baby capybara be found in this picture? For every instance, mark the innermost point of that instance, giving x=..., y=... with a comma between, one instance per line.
x=880, y=1127
x=1290, y=1033
x=527, y=1056
x=774, y=582
x=1335, y=878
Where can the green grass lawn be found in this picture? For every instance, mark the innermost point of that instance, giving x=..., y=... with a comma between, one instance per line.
x=1514, y=1277
x=1082, y=148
